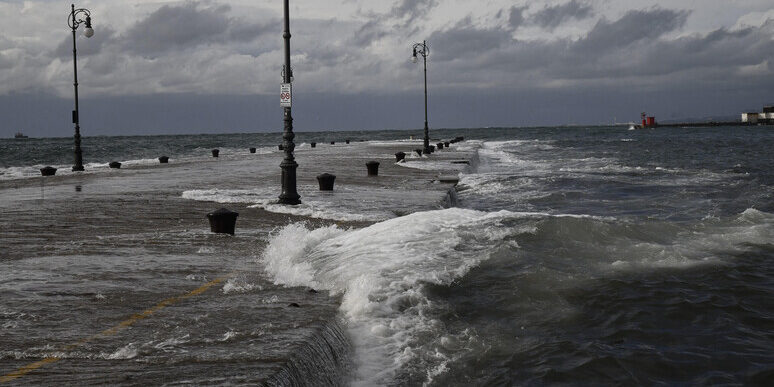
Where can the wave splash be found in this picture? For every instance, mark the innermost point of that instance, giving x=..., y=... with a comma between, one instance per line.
x=381, y=272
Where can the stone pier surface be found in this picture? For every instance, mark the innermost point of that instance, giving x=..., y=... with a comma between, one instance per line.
x=115, y=278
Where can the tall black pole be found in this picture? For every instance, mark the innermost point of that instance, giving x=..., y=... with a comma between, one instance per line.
x=289, y=194
x=78, y=153
x=427, y=135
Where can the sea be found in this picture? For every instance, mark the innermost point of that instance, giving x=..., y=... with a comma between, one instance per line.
x=569, y=255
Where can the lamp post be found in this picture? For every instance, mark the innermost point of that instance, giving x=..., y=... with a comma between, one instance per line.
x=424, y=50
x=289, y=194
x=78, y=16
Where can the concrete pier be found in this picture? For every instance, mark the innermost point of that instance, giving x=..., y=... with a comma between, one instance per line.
x=128, y=286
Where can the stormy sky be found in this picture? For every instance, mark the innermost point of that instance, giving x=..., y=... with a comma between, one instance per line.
x=157, y=67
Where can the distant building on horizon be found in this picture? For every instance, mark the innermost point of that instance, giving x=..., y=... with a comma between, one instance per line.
x=766, y=117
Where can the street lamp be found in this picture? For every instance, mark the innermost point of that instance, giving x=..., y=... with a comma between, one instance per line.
x=75, y=20
x=289, y=194
x=424, y=50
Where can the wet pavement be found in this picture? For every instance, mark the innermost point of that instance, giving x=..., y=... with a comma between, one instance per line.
x=115, y=278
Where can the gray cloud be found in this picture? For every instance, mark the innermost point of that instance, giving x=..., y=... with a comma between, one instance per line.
x=551, y=17
x=402, y=16
x=607, y=56
x=103, y=36
x=412, y=8
x=369, y=33
x=632, y=27
x=464, y=41
x=172, y=28
x=516, y=16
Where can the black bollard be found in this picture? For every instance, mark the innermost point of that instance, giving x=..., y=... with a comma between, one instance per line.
x=439, y=145
x=326, y=181
x=373, y=168
x=399, y=156
x=347, y=141
x=115, y=165
x=222, y=221
x=281, y=147
x=48, y=171
x=419, y=152
x=252, y=150
x=446, y=144
x=432, y=148
x=333, y=142
x=215, y=152
x=163, y=159
x=314, y=145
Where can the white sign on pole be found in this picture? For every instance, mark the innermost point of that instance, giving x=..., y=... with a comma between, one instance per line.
x=285, y=95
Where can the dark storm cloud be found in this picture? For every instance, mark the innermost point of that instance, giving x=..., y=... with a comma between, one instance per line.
x=552, y=17
x=402, y=16
x=632, y=27
x=172, y=28
x=103, y=36
x=465, y=40
x=609, y=56
x=516, y=16
x=412, y=8
x=369, y=33
x=5, y=62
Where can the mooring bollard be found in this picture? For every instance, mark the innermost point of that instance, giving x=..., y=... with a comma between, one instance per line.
x=252, y=150
x=373, y=168
x=399, y=156
x=281, y=147
x=215, y=152
x=446, y=144
x=222, y=221
x=115, y=165
x=419, y=152
x=326, y=181
x=314, y=145
x=163, y=159
x=347, y=141
x=432, y=148
x=333, y=142
x=48, y=171
x=439, y=145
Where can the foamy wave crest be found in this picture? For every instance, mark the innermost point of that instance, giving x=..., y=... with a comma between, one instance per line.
x=381, y=271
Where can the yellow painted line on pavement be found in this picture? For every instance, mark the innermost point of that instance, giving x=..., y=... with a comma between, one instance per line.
x=111, y=331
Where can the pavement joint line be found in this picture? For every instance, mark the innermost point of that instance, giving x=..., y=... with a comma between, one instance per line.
x=113, y=330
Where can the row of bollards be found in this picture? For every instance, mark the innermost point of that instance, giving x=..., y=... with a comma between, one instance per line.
x=51, y=171
x=223, y=221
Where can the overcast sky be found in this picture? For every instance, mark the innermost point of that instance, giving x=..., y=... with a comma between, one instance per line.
x=214, y=66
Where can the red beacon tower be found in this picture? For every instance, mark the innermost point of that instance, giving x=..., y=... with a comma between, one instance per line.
x=648, y=121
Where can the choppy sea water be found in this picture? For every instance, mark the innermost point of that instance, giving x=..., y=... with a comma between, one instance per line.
x=573, y=256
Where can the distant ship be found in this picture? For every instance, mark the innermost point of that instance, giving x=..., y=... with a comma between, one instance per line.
x=20, y=135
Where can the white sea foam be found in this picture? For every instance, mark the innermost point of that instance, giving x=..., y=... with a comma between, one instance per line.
x=235, y=285
x=381, y=271
x=170, y=343
x=229, y=335
x=346, y=203
x=129, y=351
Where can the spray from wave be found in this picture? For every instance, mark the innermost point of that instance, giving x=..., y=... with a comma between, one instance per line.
x=381, y=272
